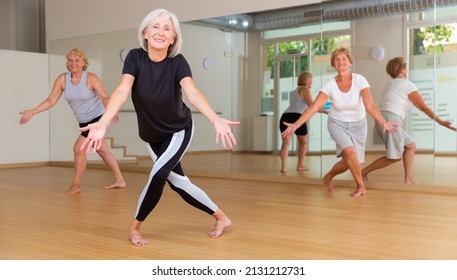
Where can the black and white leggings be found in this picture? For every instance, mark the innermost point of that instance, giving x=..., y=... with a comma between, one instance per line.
x=166, y=156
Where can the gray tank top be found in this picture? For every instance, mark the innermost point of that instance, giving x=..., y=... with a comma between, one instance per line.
x=84, y=102
x=297, y=103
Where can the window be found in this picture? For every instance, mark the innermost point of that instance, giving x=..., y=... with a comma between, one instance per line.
x=432, y=64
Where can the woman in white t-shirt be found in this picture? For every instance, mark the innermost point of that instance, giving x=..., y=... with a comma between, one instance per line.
x=347, y=124
x=398, y=95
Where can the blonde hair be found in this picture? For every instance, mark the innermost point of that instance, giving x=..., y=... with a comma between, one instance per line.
x=336, y=52
x=173, y=49
x=395, y=66
x=79, y=53
x=303, y=77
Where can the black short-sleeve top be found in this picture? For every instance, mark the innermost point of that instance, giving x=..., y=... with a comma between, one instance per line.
x=157, y=95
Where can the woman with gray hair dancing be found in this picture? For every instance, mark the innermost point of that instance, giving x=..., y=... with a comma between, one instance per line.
x=156, y=75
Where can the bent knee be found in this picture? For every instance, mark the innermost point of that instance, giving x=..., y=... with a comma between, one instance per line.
x=349, y=152
x=78, y=151
x=411, y=146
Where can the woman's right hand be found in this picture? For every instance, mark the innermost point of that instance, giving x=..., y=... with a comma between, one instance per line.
x=289, y=130
x=94, y=139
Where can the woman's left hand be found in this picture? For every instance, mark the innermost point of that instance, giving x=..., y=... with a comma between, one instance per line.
x=449, y=125
x=223, y=131
x=390, y=127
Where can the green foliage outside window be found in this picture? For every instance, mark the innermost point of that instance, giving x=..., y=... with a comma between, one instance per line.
x=323, y=46
x=320, y=46
x=285, y=48
x=431, y=39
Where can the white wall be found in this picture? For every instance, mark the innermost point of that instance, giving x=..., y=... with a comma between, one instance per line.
x=66, y=19
x=389, y=34
x=24, y=80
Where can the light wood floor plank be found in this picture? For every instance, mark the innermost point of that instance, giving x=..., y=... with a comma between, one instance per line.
x=271, y=220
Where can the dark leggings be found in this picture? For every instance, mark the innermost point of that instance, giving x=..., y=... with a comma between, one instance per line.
x=166, y=156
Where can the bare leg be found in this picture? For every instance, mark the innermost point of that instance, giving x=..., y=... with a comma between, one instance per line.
x=350, y=157
x=302, y=149
x=337, y=169
x=113, y=166
x=134, y=235
x=408, y=161
x=80, y=164
x=284, y=152
x=377, y=164
x=222, y=222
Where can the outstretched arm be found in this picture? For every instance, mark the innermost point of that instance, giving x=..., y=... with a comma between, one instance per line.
x=222, y=126
x=315, y=107
x=420, y=104
x=306, y=95
x=97, y=130
x=48, y=103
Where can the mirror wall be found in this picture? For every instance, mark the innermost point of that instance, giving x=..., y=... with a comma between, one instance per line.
x=247, y=65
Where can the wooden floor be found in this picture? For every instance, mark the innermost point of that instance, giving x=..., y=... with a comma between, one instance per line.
x=273, y=219
x=433, y=173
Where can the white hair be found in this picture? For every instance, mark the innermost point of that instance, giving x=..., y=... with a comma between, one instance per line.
x=173, y=49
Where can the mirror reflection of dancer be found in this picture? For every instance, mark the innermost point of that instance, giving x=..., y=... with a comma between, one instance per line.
x=156, y=74
x=398, y=95
x=347, y=124
x=87, y=97
x=300, y=99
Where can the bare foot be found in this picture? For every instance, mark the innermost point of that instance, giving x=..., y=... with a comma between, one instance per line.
x=302, y=168
x=116, y=184
x=410, y=181
x=365, y=177
x=135, y=238
x=219, y=227
x=328, y=183
x=283, y=170
x=359, y=192
x=73, y=189
x=222, y=222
